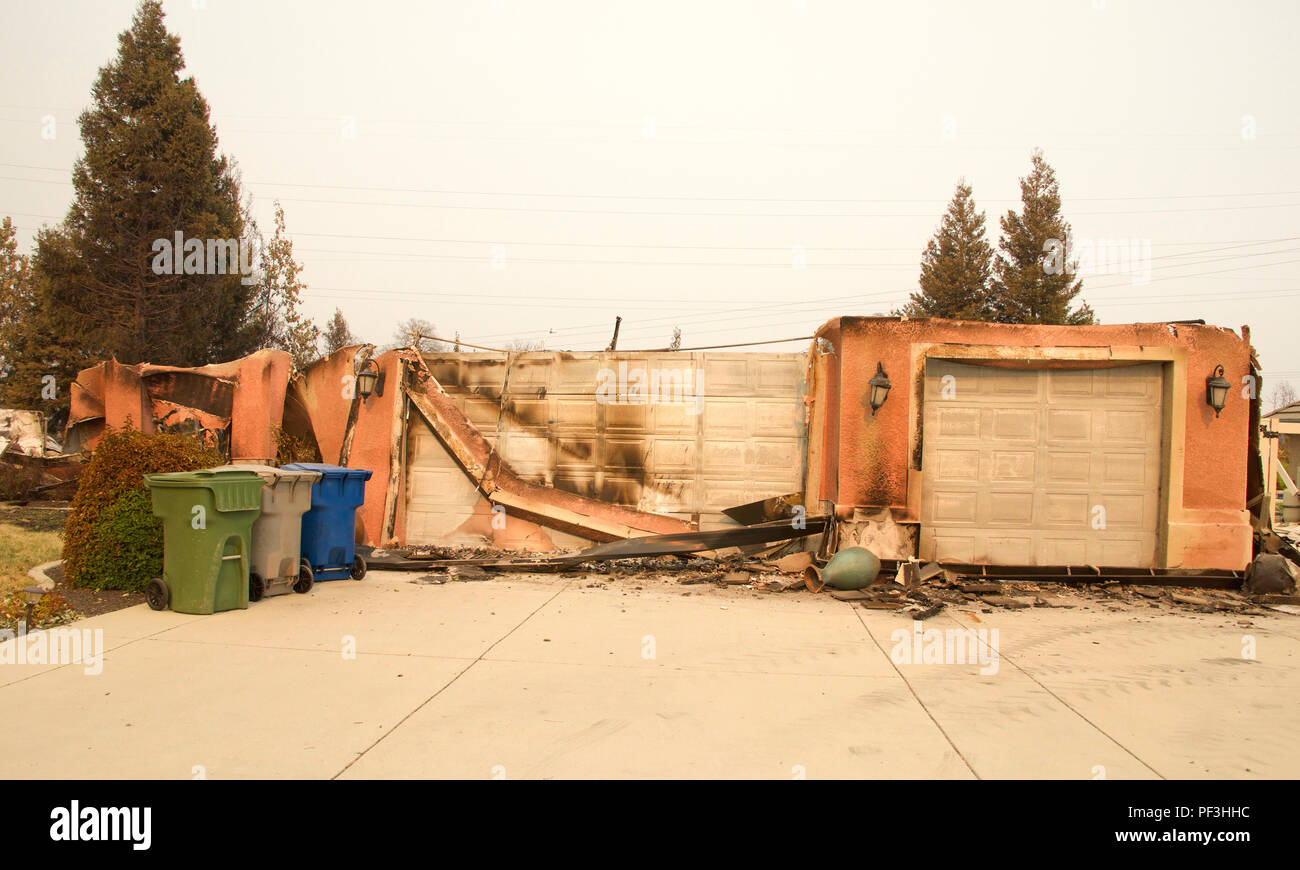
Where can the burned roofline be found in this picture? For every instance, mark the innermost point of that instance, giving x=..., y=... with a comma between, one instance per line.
x=204, y=392
x=849, y=319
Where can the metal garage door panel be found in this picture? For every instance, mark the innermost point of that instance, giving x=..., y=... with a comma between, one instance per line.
x=440, y=497
x=666, y=456
x=1041, y=467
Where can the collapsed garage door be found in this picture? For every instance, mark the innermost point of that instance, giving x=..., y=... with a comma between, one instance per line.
x=1041, y=467
x=737, y=435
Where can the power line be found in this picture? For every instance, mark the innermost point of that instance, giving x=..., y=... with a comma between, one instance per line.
x=34, y=180
x=563, y=261
x=663, y=197
x=774, y=320
x=780, y=316
x=783, y=215
x=1228, y=248
x=1218, y=260
x=636, y=124
x=801, y=305
x=1202, y=274
x=682, y=198
x=655, y=324
x=896, y=294
x=728, y=263
x=429, y=239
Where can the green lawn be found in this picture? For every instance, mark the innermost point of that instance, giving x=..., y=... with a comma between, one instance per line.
x=20, y=549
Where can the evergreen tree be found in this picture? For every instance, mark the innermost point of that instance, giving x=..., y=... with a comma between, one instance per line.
x=281, y=292
x=956, y=265
x=150, y=170
x=337, y=333
x=1033, y=276
x=15, y=291
x=38, y=358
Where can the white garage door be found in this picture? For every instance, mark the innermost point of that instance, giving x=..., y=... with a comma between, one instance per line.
x=1041, y=467
x=745, y=439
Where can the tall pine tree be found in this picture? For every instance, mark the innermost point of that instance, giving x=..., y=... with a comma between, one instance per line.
x=37, y=355
x=150, y=170
x=15, y=293
x=1033, y=278
x=956, y=265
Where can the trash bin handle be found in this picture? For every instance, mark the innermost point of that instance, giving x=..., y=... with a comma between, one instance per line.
x=242, y=555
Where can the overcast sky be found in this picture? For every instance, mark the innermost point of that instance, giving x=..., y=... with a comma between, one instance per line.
x=528, y=169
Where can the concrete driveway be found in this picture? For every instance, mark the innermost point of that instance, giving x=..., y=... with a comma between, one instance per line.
x=546, y=676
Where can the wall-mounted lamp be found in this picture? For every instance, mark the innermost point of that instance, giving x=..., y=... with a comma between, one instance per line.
x=879, y=389
x=369, y=379
x=1216, y=390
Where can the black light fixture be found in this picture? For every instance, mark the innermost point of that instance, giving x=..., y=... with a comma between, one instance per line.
x=879, y=389
x=369, y=379
x=1216, y=390
x=32, y=596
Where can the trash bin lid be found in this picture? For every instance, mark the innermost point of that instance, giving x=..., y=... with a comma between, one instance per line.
x=204, y=477
x=231, y=489
x=270, y=474
x=327, y=470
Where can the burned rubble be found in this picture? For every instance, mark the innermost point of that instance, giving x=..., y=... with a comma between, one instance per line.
x=767, y=554
x=917, y=590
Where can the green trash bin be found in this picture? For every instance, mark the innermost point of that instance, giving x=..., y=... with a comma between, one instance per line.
x=207, y=525
x=277, y=564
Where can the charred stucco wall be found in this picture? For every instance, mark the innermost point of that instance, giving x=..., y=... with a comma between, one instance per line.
x=242, y=404
x=875, y=462
x=237, y=403
x=423, y=449
x=574, y=422
x=326, y=398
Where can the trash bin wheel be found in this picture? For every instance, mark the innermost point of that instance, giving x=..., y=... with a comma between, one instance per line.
x=256, y=586
x=305, y=578
x=157, y=594
x=358, y=568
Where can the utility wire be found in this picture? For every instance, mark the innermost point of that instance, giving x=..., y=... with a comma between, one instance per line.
x=930, y=215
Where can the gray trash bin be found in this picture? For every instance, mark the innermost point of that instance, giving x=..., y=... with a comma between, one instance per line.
x=277, y=566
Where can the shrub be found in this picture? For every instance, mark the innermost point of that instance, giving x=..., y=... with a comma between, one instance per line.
x=52, y=610
x=112, y=540
x=291, y=448
x=124, y=548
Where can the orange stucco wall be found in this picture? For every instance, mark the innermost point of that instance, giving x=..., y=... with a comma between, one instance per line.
x=325, y=392
x=866, y=460
x=377, y=445
x=116, y=396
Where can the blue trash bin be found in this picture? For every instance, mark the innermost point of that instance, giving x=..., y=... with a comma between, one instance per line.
x=329, y=527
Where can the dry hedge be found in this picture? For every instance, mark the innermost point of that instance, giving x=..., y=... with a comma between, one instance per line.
x=112, y=540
